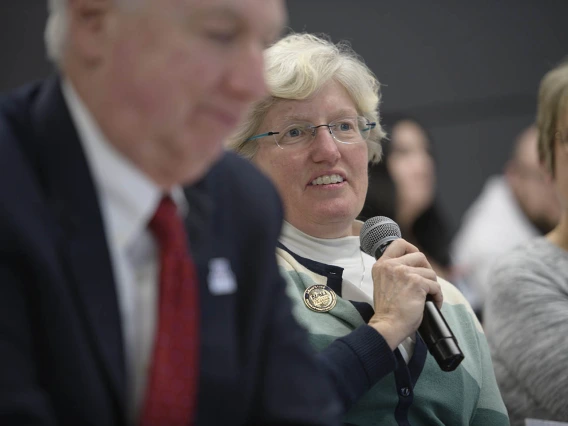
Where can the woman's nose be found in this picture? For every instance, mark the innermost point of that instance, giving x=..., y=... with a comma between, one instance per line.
x=324, y=147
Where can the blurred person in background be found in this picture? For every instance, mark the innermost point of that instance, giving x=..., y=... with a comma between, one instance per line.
x=408, y=167
x=107, y=316
x=526, y=313
x=314, y=135
x=511, y=209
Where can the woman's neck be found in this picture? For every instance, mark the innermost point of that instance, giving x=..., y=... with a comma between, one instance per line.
x=559, y=235
x=328, y=230
x=405, y=217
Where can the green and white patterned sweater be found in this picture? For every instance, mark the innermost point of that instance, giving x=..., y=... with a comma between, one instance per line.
x=415, y=394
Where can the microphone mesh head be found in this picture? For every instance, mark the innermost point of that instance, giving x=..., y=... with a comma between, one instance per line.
x=376, y=232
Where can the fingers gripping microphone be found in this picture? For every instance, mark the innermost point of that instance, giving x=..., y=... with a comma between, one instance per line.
x=377, y=233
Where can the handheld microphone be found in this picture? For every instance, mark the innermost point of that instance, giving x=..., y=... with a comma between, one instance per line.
x=376, y=234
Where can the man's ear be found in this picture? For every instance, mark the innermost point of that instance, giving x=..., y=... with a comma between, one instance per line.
x=91, y=23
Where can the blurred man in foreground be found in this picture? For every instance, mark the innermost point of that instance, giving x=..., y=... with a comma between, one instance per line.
x=511, y=210
x=109, y=313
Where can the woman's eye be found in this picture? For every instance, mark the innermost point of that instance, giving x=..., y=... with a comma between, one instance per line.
x=294, y=133
x=344, y=126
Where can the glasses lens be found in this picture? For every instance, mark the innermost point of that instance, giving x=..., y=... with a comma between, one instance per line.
x=295, y=135
x=351, y=129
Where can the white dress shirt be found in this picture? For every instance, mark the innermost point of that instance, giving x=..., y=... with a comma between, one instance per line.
x=492, y=226
x=345, y=252
x=128, y=201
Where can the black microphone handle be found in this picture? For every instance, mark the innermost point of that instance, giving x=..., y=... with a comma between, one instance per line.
x=439, y=338
x=436, y=332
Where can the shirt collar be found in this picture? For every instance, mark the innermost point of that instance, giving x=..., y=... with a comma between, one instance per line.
x=330, y=251
x=129, y=198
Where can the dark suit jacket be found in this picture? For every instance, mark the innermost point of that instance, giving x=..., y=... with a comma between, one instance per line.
x=61, y=344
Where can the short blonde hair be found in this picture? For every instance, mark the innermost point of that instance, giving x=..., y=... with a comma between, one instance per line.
x=297, y=66
x=552, y=105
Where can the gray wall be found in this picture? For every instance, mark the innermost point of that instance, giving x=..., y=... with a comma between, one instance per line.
x=22, y=56
x=468, y=69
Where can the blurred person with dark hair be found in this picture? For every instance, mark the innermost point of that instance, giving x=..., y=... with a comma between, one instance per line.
x=403, y=187
x=526, y=311
x=313, y=135
x=126, y=299
x=511, y=209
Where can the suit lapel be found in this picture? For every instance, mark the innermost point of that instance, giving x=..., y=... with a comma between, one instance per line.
x=199, y=227
x=220, y=346
x=72, y=196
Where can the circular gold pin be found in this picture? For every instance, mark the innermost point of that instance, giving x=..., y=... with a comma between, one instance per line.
x=320, y=298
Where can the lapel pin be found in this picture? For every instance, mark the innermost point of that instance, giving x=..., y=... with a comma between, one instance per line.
x=320, y=298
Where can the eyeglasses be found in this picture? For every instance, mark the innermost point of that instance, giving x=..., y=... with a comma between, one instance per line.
x=346, y=130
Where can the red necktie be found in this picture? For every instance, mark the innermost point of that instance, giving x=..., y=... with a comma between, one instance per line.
x=171, y=391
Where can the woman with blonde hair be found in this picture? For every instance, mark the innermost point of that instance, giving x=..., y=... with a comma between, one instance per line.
x=527, y=313
x=314, y=135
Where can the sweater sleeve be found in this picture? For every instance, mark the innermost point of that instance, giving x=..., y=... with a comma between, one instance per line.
x=356, y=362
x=477, y=380
x=489, y=409
x=527, y=324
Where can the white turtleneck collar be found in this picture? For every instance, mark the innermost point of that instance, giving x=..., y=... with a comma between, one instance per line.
x=344, y=252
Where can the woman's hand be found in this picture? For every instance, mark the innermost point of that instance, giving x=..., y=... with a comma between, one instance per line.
x=402, y=278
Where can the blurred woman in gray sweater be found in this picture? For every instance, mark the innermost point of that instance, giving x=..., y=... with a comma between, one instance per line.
x=527, y=311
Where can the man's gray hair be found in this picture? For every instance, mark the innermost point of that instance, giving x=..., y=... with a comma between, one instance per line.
x=56, y=29
x=57, y=26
